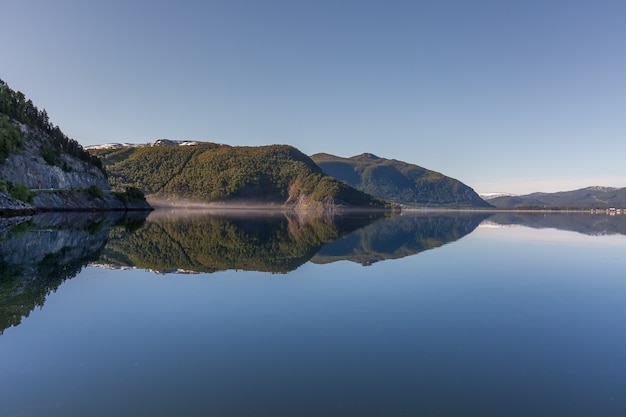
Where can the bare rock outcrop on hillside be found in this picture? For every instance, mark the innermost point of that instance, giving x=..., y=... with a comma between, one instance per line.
x=29, y=168
x=10, y=205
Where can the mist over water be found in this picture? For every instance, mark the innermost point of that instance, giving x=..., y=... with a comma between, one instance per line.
x=185, y=204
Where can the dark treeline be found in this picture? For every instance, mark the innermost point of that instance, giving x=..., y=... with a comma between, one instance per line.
x=15, y=105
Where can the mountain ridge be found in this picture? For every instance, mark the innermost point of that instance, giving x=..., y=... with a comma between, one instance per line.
x=207, y=172
x=399, y=181
x=583, y=198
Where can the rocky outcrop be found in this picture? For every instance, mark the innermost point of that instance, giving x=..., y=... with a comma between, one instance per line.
x=63, y=185
x=9, y=205
x=68, y=200
x=28, y=167
x=42, y=169
x=82, y=200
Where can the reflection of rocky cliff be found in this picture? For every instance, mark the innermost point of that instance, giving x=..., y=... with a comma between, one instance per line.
x=38, y=253
x=400, y=236
x=208, y=242
x=588, y=224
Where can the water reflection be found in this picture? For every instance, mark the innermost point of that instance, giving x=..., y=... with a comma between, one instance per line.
x=401, y=236
x=200, y=241
x=38, y=253
x=588, y=224
x=496, y=325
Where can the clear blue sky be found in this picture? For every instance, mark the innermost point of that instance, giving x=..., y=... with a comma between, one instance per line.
x=513, y=96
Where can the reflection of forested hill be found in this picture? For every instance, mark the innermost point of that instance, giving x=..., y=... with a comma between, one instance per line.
x=37, y=254
x=588, y=224
x=270, y=242
x=400, y=236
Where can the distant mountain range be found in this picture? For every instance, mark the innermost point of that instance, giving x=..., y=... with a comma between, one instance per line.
x=590, y=197
x=277, y=174
x=399, y=181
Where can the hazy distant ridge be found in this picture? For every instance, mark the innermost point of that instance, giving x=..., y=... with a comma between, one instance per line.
x=590, y=197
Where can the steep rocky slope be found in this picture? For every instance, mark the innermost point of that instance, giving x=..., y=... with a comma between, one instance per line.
x=42, y=169
x=27, y=166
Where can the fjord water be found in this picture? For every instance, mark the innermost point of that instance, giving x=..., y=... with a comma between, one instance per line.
x=272, y=314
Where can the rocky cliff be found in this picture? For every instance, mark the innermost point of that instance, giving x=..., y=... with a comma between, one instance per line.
x=42, y=169
x=28, y=166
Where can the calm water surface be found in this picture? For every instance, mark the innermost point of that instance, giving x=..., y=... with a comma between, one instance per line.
x=278, y=315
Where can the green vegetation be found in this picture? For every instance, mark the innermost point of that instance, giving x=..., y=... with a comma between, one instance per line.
x=14, y=105
x=10, y=137
x=95, y=192
x=51, y=156
x=276, y=174
x=17, y=191
x=131, y=195
x=398, y=181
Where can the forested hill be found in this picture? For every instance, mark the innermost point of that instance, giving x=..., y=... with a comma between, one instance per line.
x=400, y=182
x=209, y=172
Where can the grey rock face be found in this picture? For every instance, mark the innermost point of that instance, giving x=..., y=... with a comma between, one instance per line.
x=56, y=187
x=10, y=204
x=81, y=200
x=28, y=167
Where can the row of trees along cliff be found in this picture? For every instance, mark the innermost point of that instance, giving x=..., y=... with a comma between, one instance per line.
x=15, y=105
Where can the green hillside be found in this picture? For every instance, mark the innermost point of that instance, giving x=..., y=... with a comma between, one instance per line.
x=208, y=172
x=399, y=181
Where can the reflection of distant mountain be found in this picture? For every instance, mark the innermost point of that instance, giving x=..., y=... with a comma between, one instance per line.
x=38, y=253
x=588, y=224
x=401, y=236
x=209, y=241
